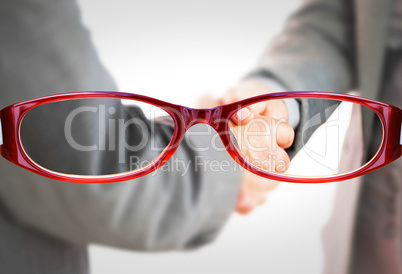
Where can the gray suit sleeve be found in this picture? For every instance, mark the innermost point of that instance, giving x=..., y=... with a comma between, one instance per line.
x=46, y=50
x=315, y=50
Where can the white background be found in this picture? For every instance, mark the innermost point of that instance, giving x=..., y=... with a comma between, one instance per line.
x=176, y=51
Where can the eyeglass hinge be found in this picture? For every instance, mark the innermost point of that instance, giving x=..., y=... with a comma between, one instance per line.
x=1, y=134
x=400, y=140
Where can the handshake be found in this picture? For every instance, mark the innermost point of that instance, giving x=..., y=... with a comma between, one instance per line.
x=269, y=121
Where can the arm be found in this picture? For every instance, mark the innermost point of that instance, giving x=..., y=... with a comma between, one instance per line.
x=47, y=50
x=315, y=50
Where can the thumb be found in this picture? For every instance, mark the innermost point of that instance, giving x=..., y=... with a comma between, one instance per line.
x=244, y=115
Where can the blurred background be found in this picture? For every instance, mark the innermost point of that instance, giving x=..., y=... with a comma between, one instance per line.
x=177, y=51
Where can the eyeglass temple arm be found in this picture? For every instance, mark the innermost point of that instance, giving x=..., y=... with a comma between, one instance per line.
x=400, y=122
x=400, y=134
x=400, y=141
x=1, y=132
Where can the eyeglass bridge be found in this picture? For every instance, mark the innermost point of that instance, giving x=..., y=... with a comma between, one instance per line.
x=212, y=116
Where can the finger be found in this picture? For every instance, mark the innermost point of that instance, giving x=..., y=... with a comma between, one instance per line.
x=243, y=210
x=246, y=114
x=270, y=185
x=262, y=200
x=244, y=203
x=265, y=183
x=251, y=201
x=284, y=134
x=276, y=109
x=281, y=161
x=250, y=194
x=258, y=108
x=276, y=160
x=242, y=116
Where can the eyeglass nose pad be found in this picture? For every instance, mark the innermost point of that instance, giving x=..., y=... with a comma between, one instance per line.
x=216, y=118
x=211, y=117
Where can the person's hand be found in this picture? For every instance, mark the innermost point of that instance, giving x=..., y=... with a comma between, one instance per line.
x=261, y=134
x=261, y=130
x=250, y=88
x=255, y=188
x=262, y=140
x=253, y=192
x=270, y=120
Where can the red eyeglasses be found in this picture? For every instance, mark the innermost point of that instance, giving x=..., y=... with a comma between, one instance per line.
x=104, y=137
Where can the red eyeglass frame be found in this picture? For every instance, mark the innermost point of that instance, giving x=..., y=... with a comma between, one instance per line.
x=185, y=117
